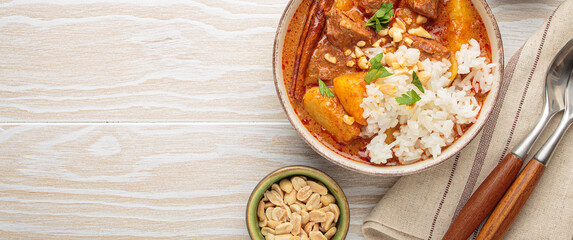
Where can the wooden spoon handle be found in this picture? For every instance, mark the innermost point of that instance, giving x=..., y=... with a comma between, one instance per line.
x=512, y=202
x=484, y=198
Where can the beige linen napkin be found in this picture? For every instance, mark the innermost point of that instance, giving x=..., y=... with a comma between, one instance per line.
x=422, y=206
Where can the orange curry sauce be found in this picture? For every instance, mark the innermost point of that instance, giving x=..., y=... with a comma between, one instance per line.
x=356, y=149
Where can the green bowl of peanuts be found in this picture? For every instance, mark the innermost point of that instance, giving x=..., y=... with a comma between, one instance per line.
x=297, y=203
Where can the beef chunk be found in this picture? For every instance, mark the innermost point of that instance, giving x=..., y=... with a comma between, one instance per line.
x=429, y=48
x=327, y=71
x=371, y=6
x=428, y=8
x=344, y=32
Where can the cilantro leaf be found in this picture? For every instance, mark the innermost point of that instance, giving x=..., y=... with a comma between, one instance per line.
x=381, y=18
x=376, y=61
x=324, y=90
x=408, y=99
x=377, y=70
x=417, y=83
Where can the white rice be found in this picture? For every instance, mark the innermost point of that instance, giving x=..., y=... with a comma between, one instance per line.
x=433, y=122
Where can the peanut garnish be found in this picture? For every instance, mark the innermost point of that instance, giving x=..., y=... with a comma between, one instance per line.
x=290, y=198
x=421, y=19
x=358, y=52
x=424, y=76
x=284, y=228
x=329, y=58
x=286, y=185
x=317, y=216
x=363, y=63
x=420, y=32
x=266, y=230
x=298, y=208
x=327, y=199
x=317, y=187
x=399, y=24
x=298, y=183
x=303, y=194
x=377, y=43
x=408, y=41
x=348, y=119
x=330, y=233
x=313, y=202
x=396, y=33
x=316, y=235
x=350, y=63
x=390, y=59
x=386, y=88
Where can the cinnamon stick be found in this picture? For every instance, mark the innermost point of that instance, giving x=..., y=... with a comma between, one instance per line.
x=311, y=34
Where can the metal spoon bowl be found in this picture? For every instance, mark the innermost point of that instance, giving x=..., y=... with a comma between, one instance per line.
x=546, y=150
x=555, y=84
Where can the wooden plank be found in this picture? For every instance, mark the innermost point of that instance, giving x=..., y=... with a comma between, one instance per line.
x=149, y=61
x=151, y=181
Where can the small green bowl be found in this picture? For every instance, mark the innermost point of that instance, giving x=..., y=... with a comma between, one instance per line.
x=276, y=176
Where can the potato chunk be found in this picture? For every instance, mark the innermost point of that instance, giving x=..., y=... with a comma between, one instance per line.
x=465, y=25
x=350, y=90
x=328, y=112
x=462, y=17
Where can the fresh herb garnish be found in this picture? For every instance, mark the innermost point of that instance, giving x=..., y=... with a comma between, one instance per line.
x=377, y=70
x=381, y=18
x=416, y=82
x=324, y=90
x=409, y=99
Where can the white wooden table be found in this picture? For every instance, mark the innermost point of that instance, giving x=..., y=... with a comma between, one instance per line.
x=155, y=119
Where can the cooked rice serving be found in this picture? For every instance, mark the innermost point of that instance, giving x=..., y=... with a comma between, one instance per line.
x=435, y=121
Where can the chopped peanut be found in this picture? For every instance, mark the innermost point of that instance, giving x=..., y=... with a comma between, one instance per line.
x=408, y=41
x=424, y=76
x=350, y=63
x=400, y=24
x=330, y=58
x=396, y=34
x=400, y=71
x=383, y=32
x=348, y=119
x=387, y=88
x=408, y=20
x=363, y=63
x=358, y=52
x=390, y=59
x=420, y=65
x=420, y=31
x=361, y=43
x=421, y=19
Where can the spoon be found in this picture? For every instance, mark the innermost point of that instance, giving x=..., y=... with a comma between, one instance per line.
x=514, y=199
x=484, y=199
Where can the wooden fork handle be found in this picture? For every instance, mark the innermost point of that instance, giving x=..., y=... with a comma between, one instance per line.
x=512, y=202
x=484, y=198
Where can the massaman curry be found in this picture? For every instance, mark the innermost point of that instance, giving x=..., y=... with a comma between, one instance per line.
x=328, y=63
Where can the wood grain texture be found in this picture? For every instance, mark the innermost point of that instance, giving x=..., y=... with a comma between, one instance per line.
x=484, y=199
x=155, y=119
x=162, y=60
x=151, y=181
x=512, y=202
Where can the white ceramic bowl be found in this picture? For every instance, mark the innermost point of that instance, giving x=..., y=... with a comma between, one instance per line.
x=497, y=57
